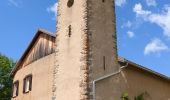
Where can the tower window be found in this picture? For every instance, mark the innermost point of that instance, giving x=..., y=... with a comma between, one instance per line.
x=104, y=63
x=103, y=0
x=70, y=3
x=69, y=30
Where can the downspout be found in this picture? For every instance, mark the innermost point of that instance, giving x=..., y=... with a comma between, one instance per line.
x=104, y=77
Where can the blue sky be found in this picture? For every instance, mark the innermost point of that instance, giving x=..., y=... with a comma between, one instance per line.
x=143, y=28
x=19, y=20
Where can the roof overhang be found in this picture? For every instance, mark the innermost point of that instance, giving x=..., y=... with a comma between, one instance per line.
x=142, y=68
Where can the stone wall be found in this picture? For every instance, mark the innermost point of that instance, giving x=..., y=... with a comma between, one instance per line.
x=86, y=47
x=70, y=71
x=101, y=26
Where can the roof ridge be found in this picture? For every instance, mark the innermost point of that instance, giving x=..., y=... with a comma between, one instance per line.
x=46, y=32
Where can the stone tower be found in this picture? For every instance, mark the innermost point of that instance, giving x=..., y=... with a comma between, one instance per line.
x=85, y=47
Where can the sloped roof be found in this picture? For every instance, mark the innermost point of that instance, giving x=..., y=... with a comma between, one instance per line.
x=39, y=31
x=120, y=59
x=140, y=67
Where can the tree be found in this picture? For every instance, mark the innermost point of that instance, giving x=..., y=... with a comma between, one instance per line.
x=6, y=65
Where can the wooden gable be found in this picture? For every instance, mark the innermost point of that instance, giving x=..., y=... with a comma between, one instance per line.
x=42, y=45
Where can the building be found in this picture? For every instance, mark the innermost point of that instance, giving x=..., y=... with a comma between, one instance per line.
x=81, y=62
x=32, y=74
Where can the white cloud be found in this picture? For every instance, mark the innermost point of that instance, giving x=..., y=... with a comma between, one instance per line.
x=120, y=2
x=128, y=24
x=130, y=34
x=151, y=2
x=13, y=2
x=155, y=46
x=161, y=19
x=53, y=9
x=138, y=9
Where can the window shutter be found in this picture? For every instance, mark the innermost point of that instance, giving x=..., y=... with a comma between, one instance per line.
x=30, y=80
x=17, y=91
x=24, y=85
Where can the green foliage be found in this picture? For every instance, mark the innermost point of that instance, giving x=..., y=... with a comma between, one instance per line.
x=125, y=96
x=139, y=97
x=6, y=65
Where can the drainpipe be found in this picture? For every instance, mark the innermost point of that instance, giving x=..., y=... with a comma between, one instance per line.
x=104, y=77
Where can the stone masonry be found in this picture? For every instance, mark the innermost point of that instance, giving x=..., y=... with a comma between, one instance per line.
x=85, y=47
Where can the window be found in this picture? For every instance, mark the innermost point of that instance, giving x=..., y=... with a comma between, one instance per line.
x=69, y=30
x=15, y=89
x=70, y=3
x=27, y=86
x=104, y=63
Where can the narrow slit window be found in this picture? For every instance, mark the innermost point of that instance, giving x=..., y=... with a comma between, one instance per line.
x=104, y=63
x=103, y=0
x=69, y=30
